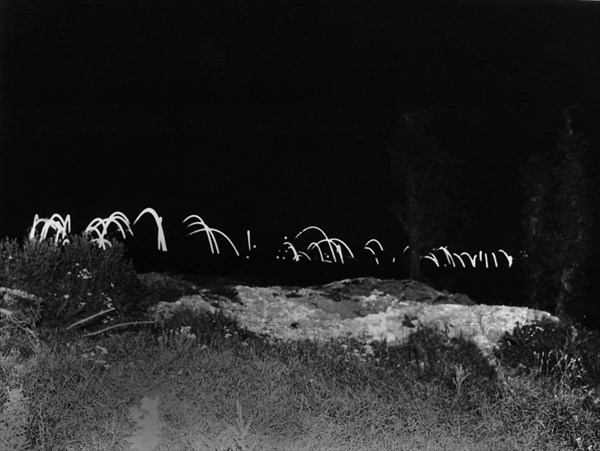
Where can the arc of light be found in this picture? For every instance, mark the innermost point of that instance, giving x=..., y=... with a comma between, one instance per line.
x=459, y=259
x=473, y=259
x=212, y=242
x=93, y=226
x=55, y=222
x=332, y=244
x=100, y=240
x=433, y=258
x=338, y=247
x=304, y=254
x=338, y=250
x=115, y=217
x=227, y=238
x=314, y=244
x=291, y=246
x=36, y=221
x=448, y=255
x=65, y=225
x=495, y=261
x=162, y=244
x=324, y=235
x=48, y=224
x=373, y=252
x=311, y=227
x=375, y=241
x=508, y=257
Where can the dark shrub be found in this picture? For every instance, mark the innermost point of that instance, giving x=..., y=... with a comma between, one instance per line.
x=74, y=280
x=555, y=349
x=523, y=347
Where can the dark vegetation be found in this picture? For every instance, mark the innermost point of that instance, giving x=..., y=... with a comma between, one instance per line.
x=545, y=374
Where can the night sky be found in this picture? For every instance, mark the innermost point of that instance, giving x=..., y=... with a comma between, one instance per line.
x=273, y=116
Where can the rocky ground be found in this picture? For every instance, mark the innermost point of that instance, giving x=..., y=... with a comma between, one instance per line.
x=369, y=309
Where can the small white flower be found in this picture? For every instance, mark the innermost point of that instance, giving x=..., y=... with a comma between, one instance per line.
x=84, y=274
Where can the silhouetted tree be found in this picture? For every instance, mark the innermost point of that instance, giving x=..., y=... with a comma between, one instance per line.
x=558, y=219
x=424, y=177
x=536, y=182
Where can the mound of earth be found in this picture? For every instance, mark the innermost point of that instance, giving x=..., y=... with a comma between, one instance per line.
x=368, y=309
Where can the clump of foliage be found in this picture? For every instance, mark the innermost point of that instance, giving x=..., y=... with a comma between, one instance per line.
x=549, y=370
x=553, y=349
x=432, y=357
x=72, y=281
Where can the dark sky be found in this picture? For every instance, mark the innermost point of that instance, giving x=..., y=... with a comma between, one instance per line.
x=272, y=116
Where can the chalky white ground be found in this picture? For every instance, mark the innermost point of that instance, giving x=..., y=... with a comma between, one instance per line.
x=310, y=313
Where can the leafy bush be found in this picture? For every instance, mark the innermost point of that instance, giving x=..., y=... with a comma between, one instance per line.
x=30, y=267
x=74, y=281
x=523, y=347
x=553, y=349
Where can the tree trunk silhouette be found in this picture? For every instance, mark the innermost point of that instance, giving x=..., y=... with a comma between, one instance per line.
x=558, y=220
x=424, y=178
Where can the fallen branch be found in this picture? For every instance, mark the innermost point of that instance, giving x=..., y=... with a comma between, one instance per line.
x=91, y=334
x=89, y=318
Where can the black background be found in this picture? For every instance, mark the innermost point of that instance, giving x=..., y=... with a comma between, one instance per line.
x=273, y=116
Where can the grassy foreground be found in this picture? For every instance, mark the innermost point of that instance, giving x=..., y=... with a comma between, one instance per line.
x=212, y=386
x=199, y=382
